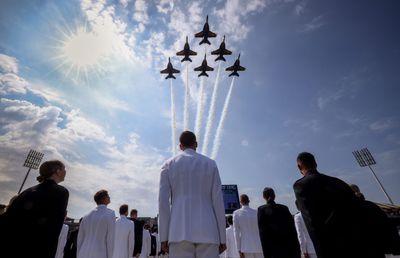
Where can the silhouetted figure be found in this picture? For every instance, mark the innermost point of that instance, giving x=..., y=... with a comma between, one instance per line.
x=34, y=219
x=138, y=232
x=339, y=223
x=276, y=227
x=72, y=240
x=357, y=191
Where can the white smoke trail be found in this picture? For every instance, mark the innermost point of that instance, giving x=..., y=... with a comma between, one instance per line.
x=211, y=113
x=217, y=139
x=200, y=109
x=186, y=105
x=173, y=120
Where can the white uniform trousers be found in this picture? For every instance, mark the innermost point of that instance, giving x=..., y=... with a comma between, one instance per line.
x=253, y=255
x=311, y=256
x=186, y=249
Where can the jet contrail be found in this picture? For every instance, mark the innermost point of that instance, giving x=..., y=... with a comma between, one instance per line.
x=200, y=109
x=211, y=113
x=217, y=139
x=187, y=96
x=173, y=120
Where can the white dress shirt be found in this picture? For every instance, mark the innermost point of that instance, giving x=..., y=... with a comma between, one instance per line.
x=245, y=228
x=191, y=207
x=231, y=250
x=306, y=244
x=124, y=238
x=96, y=234
x=62, y=240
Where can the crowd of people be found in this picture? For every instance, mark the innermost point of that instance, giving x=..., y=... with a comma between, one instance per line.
x=334, y=219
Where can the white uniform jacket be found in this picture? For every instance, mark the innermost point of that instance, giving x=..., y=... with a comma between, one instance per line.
x=231, y=249
x=190, y=200
x=124, y=238
x=96, y=234
x=245, y=228
x=306, y=244
x=146, y=244
x=62, y=240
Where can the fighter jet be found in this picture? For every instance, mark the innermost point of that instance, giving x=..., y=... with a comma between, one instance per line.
x=235, y=68
x=170, y=70
x=221, y=51
x=203, y=68
x=186, y=52
x=205, y=34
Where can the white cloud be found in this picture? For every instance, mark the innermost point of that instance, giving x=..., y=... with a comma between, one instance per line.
x=314, y=24
x=140, y=14
x=244, y=143
x=8, y=64
x=12, y=83
x=165, y=6
x=124, y=3
x=384, y=124
x=300, y=7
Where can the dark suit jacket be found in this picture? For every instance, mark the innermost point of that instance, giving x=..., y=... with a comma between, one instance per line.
x=138, y=236
x=277, y=231
x=33, y=221
x=334, y=218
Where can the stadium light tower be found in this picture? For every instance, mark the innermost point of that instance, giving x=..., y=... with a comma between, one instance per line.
x=32, y=161
x=364, y=158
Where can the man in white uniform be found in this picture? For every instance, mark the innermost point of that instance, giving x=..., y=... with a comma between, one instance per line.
x=62, y=239
x=231, y=249
x=306, y=245
x=245, y=229
x=124, y=235
x=97, y=230
x=191, y=208
x=146, y=242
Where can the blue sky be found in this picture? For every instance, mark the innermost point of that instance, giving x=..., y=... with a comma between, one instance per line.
x=79, y=80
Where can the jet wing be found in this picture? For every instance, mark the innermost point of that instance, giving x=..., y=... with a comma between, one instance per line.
x=180, y=53
x=199, y=34
x=209, y=68
x=230, y=68
x=174, y=70
x=164, y=71
x=211, y=34
x=216, y=52
x=240, y=68
x=198, y=69
x=227, y=52
x=192, y=53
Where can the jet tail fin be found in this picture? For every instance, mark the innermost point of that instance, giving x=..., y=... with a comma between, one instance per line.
x=170, y=76
x=205, y=40
x=234, y=73
x=186, y=58
x=220, y=58
x=203, y=73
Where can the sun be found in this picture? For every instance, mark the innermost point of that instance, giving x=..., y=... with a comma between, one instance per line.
x=82, y=52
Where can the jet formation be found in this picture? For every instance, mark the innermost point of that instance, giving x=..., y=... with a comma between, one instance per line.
x=204, y=68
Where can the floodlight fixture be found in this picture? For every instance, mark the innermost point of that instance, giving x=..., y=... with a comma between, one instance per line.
x=364, y=159
x=32, y=161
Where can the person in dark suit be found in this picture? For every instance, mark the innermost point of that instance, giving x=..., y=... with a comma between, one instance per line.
x=33, y=221
x=336, y=219
x=138, y=233
x=277, y=230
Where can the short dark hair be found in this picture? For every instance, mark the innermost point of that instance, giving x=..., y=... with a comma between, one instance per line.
x=48, y=168
x=269, y=193
x=123, y=209
x=244, y=199
x=100, y=195
x=133, y=211
x=229, y=218
x=307, y=160
x=187, y=139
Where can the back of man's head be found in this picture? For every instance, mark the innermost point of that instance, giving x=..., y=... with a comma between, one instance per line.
x=188, y=139
x=134, y=213
x=269, y=194
x=307, y=160
x=123, y=209
x=100, y=196
x=244, y=199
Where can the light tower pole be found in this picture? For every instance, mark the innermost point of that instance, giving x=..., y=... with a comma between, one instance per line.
x=364, y=158
x=32, y=162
